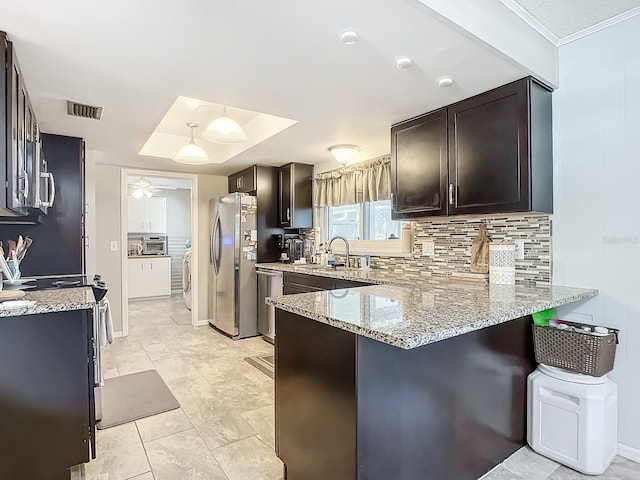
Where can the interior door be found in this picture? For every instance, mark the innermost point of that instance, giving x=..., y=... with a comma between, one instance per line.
x=226, y=260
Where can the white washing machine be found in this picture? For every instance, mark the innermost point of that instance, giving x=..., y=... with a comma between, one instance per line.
x=186, y=278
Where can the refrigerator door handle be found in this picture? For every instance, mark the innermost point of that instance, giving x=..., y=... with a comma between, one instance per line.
x=216, y=244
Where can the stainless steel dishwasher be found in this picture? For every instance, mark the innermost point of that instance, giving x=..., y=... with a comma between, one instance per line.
x=269, y=285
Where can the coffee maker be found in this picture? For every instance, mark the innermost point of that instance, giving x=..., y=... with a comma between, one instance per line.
x=292, y=245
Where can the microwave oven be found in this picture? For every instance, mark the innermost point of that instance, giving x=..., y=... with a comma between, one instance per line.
x=154, y=245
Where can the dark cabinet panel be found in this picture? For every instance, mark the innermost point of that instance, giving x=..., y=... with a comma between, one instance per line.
x=489, y=152
x=22, y=168
x=303, y=283
x=46, y=401
x=369, y=410
x=262, y=181
x=284, y=195
x=13, y=202
x=294, y=195
x=244, y=181
x=419, y=166
x=316, y=411
x=64, y=223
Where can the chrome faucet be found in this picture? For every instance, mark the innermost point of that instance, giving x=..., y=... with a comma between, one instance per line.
x=346, y=244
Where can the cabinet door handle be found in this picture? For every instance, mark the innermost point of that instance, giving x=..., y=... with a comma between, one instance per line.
x=52, y=189
x=25, y=190
x=149, y=226
x=288, y=214
x=142, y=266
x=142, y=225
x=151, y=265
x=393, y=201
x=452, y=189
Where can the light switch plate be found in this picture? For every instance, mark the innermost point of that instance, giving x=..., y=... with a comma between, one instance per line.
x=519, y=249
x=113, y=246
x=428, y=248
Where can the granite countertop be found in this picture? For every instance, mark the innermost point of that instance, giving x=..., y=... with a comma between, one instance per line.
x=410, y=317
x=374, y=276
x=55, y=300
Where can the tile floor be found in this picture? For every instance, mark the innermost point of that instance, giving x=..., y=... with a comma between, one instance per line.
x=225, y=427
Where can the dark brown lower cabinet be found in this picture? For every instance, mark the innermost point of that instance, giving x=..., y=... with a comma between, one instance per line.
x=349, y=407
x=46, y=394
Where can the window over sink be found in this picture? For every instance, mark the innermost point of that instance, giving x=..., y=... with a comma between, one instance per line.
x=363, y=221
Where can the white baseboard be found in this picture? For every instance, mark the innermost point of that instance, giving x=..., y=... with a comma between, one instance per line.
x=202, y=323
x=117, y=334
x=629, y=452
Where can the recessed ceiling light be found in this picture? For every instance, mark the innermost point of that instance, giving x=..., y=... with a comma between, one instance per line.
x=349, y=37
x=404, y=62
x=445, y=82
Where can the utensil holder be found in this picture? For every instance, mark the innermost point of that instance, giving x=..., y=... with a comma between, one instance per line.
x=10, y=269
x=502, y=263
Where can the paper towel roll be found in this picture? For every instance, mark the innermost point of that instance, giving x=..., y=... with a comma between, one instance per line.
x=406, y=237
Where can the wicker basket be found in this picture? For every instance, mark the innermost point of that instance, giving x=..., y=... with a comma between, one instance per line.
x=575, y=351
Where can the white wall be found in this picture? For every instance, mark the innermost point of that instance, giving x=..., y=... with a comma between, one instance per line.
x=596, y=237
x=209, y=186
x=107, y=227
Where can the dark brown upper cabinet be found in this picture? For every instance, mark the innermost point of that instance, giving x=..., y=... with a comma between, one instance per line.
x=294, y=196
x=499, y=155
x=22, y=167
x=262, y=181
x=244, y=181
x=419, y=166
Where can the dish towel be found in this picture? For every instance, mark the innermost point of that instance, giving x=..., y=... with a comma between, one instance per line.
x=106, y=323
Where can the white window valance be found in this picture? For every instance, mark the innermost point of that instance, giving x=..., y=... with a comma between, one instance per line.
x=367, y=181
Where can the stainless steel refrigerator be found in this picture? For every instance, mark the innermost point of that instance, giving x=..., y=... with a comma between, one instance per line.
x=233, y=292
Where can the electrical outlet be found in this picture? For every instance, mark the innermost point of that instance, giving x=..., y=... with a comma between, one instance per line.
x=519, y=249
x=428, y=248
x=114, y=246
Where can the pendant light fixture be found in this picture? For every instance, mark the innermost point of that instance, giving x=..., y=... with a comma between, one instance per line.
x=344, y=153
x=191, y=153
x=224, y=130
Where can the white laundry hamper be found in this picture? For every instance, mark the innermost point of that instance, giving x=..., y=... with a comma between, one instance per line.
x=572, y=418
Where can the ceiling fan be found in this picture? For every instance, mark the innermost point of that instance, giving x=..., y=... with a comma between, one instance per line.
x=143, y=187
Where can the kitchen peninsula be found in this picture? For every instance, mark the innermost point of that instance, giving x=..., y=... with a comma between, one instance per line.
x=405, y=382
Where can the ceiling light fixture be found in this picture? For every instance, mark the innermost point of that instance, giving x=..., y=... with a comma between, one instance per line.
x=191, y=153
x=404, y=62
x=142, y=187
x=349, y=37
x=344, y=153
x=445, y=82
x=224, y=130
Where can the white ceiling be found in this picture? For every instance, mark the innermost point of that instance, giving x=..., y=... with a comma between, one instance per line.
x=172, y=133
x=564, y=19
x=283, y=58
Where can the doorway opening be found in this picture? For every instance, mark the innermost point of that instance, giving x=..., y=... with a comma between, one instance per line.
x=159, y=238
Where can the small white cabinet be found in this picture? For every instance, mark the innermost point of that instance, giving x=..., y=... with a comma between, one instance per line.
x=149, y=277
x=147, y=215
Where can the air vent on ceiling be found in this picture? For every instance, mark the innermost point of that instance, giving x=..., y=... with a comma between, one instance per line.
x=85, y=111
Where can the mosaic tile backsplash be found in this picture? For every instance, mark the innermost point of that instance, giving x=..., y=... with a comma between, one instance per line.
x=453, y=238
